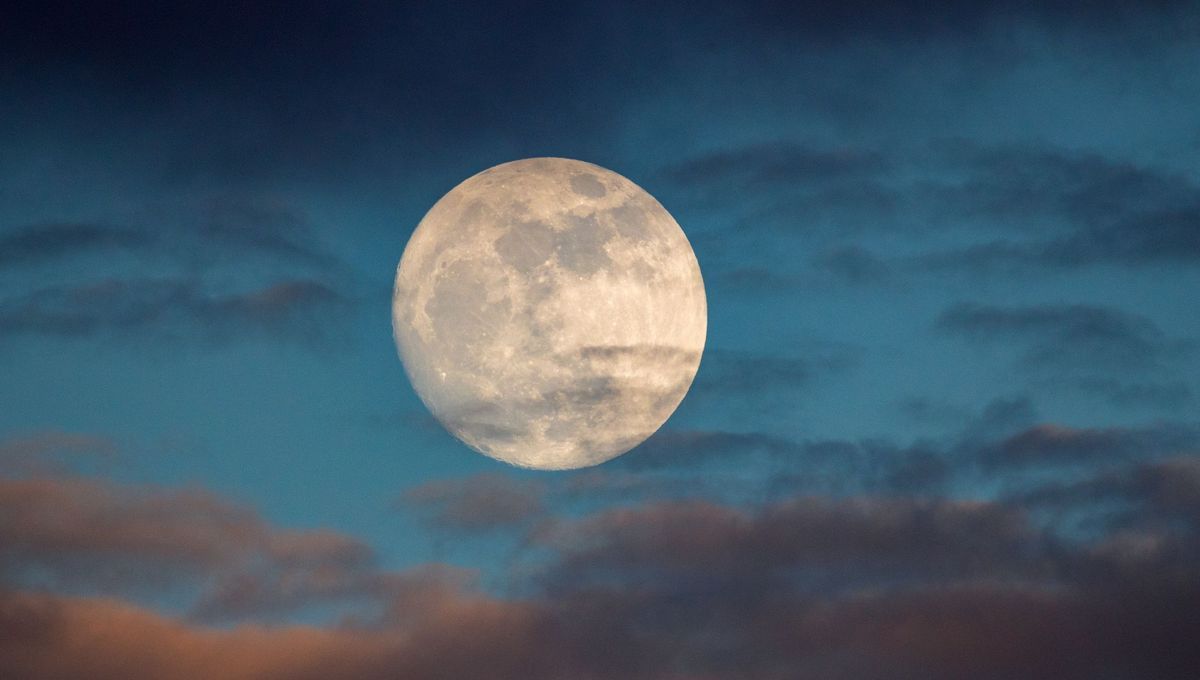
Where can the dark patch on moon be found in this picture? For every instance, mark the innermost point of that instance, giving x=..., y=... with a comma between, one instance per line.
x=526, y=245
x=580, y=246
x=587, y=185
x=629, y=219
x=459, y=309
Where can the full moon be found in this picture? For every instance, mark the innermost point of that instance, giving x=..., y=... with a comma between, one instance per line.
x=550, y=313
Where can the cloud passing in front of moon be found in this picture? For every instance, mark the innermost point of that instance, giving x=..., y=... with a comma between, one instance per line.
x=550, y=313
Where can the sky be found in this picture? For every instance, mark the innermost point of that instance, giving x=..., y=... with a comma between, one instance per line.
x=944, y=425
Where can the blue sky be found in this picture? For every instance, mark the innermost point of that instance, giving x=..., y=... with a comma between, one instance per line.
x=949, y=249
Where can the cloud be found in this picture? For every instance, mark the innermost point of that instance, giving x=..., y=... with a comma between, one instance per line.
x=835, y=466
x=975, y=629
x=291, y=571
x=1007, y=209
x=479, y=503
x=774, y=163
x=51, y=451
x=40, y=242
x=854, y=264
x=47, y=636
x=83, y=532
x=989, y=630
x=447, y=630
x=1098, y=211
x=857, y=538
x=783, y=465
x=229, y=267
x=86, y=535
x=207, y=231
x=870, y=587
x=790, y=189
x=254, y=227
x=1167, y=395
x=1004, y=446
x=1050, y=445
x=1152, y=496
x=1068, y=337
x=176, y=309
x=757, y=280
x=875, y=586
x=762, y=376
x=1016, y=184
x=690, y=448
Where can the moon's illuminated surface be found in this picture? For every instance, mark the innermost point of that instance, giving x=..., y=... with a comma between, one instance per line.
x=550, y=313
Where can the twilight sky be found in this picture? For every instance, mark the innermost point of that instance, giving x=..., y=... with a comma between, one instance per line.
x=945, y=423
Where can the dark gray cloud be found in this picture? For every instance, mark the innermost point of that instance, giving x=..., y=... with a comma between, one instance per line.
x=812, y=567
x=784, y=466
x=786, y=188
x=1051, y=445
x=207, y=232
x=727, y=372
x=1161, y=238
x=1097, y=210
x=766, y=166
x=247, y=227
x=176, y=310
x=476, y=504
x=1141, y=511
x=854, y=264
x=856, y=538
x=1067, y=337
x=1005, y=444
x=1169, y=483
x=1008, y=209
x=731, y=372
x=755, y=280
x=1168, y=395
x=289, y=280
x=40, y=242
x=682, y=448
x=1018, y=185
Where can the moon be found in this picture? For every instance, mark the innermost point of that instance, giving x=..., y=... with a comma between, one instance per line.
x=550, y=313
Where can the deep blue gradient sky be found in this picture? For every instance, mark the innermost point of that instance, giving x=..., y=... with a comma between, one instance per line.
x=945, y=424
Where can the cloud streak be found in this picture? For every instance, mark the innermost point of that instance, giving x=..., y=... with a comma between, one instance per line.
x=175, y=309
x=42, y=242
x=205, y=231
x=1068, y=337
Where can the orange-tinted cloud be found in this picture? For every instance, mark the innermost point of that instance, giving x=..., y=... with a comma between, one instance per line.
x=90, y=534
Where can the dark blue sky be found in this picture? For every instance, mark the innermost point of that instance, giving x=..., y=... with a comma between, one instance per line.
x=945, y=424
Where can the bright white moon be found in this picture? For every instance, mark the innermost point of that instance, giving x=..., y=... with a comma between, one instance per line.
x=550, y=313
